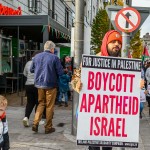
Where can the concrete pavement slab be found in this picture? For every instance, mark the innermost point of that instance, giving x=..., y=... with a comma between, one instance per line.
x=22, y=138
x=25, y=138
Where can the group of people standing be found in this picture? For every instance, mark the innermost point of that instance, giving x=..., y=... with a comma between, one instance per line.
x=47, y=69
x=45, y=74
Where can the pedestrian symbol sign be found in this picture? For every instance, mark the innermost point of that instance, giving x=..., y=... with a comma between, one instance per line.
x=127, y=19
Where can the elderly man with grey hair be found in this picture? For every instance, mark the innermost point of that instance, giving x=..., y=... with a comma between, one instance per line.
x=46, y=68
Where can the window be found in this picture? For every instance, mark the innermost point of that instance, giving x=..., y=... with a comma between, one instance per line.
x=35, y=6
x=51, y=10
x=67, y=17
x=94, y=10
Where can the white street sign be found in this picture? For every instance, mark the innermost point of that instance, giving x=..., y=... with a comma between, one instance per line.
x=127, y=19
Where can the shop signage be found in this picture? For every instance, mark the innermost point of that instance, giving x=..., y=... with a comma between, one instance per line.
x=4, y=10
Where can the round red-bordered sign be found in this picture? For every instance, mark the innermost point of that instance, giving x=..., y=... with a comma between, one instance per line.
x=127, y=19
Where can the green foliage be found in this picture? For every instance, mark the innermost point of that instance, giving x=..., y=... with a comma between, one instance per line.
x=99, y=27
x=136, y=46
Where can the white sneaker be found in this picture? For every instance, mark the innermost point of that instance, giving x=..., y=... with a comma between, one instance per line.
x=25, y=122
x=41, y=122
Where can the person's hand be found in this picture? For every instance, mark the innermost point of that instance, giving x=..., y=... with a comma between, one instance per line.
x=79, y=86
x=141, y=83
x=146, y=92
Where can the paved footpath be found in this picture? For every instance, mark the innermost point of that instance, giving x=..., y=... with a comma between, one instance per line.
x=24, y=139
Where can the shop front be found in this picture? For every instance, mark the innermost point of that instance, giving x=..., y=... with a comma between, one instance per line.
x=21, y=35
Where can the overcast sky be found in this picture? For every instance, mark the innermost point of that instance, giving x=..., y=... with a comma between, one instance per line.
x=143, y=3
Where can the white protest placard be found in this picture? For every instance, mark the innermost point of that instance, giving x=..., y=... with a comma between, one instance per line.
x=142, y=96
x=109, y=102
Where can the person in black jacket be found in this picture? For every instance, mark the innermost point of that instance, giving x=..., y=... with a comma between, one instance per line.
x=4, y=136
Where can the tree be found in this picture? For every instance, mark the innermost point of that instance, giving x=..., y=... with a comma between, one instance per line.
x=136, y=46
x=100, y=26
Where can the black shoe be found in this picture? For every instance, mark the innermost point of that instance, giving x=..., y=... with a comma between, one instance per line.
x=35, y=128
x=50, y=131
x=66, y=104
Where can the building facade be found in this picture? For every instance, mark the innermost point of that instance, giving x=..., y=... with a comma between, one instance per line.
x=29, y=23
x=25, y=25
x=91, y=10
x=53, y=16
x=56, y=9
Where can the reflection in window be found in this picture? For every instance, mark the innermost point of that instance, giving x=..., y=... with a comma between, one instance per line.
x=6, y=53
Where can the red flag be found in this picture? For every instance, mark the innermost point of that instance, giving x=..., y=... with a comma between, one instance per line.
x=129, y=55
x=145, y=52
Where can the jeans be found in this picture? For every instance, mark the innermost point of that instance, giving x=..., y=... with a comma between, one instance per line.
x=61, y=95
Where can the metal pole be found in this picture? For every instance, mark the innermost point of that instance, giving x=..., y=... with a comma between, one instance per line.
x=110, y=19
x=18, y=62
x=78, y=51
x=125, y=38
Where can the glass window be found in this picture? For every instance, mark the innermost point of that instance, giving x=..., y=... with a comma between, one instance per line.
x=35, y=6
x=6, y=55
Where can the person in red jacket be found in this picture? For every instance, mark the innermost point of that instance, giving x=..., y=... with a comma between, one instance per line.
x=111, y=46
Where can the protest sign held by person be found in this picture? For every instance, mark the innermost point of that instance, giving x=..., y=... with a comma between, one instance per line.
x=111, y=47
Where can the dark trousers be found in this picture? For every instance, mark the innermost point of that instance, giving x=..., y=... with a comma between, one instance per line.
x=98, y=148
x=32, y=99
x=148, y=100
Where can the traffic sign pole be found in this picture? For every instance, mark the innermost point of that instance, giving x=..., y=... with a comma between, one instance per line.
x=125, y=44
x=125, y=37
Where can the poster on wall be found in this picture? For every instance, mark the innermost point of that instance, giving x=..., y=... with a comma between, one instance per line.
x=21, y=48
x=6, y=64
x=109, y=102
